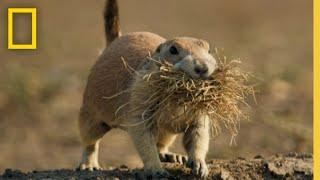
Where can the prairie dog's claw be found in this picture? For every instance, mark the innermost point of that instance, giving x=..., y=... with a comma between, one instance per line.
x=199, y=168
x=173, y=158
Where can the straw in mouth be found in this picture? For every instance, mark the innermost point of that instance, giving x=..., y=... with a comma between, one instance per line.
x=159, y=91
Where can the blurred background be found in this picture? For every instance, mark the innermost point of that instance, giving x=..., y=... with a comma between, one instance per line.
x=41, y=91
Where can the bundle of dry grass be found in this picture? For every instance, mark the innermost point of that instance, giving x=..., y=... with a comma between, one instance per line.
x=221, y=97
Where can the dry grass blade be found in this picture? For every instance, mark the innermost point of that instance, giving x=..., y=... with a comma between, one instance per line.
x=221, y=96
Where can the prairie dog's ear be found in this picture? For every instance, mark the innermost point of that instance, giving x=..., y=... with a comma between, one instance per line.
x=157, y=54
x=159, y=48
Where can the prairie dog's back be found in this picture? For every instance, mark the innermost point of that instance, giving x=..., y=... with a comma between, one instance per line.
x=109, y=76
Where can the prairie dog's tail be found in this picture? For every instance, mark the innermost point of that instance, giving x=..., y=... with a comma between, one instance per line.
x=111, y=21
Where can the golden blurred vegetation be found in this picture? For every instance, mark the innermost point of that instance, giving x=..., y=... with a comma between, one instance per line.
x=41, y=91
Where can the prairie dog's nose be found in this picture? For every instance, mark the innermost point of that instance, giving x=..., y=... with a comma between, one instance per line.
x=201, y=69
x=196, y=67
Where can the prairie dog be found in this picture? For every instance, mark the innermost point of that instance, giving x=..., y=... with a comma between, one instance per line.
x=108, y=77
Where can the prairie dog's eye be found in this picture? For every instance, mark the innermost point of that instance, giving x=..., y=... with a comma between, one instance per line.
x=209, y=51
x=173, y=50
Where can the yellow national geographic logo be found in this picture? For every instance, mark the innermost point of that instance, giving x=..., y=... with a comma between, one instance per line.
x=33, y=12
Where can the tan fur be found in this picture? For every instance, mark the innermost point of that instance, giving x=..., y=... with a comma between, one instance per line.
x=109, y=76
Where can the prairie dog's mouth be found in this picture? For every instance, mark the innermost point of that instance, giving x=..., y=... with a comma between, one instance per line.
x=196, y=68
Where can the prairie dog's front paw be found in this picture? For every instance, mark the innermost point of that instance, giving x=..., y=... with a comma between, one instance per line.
x=89, y=166
x=199, y=168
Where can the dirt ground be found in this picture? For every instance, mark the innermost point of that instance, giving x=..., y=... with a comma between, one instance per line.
x=289, y=166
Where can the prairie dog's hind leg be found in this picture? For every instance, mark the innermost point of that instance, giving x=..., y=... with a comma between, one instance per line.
x=164, y=141
x=91, y=132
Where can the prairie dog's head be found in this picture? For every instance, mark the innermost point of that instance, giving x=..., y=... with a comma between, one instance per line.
x=190, y=55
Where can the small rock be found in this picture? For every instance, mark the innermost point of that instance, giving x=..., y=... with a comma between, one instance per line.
x=110, y=168
x=9, y=173
x=258, y=157
x=139, y=175
x=124, y=167
x=292, y=154
x=225, y=175
x=280, y=171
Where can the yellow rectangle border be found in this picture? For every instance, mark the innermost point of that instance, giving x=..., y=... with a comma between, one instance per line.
x=316, y=89
x=33, y=12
